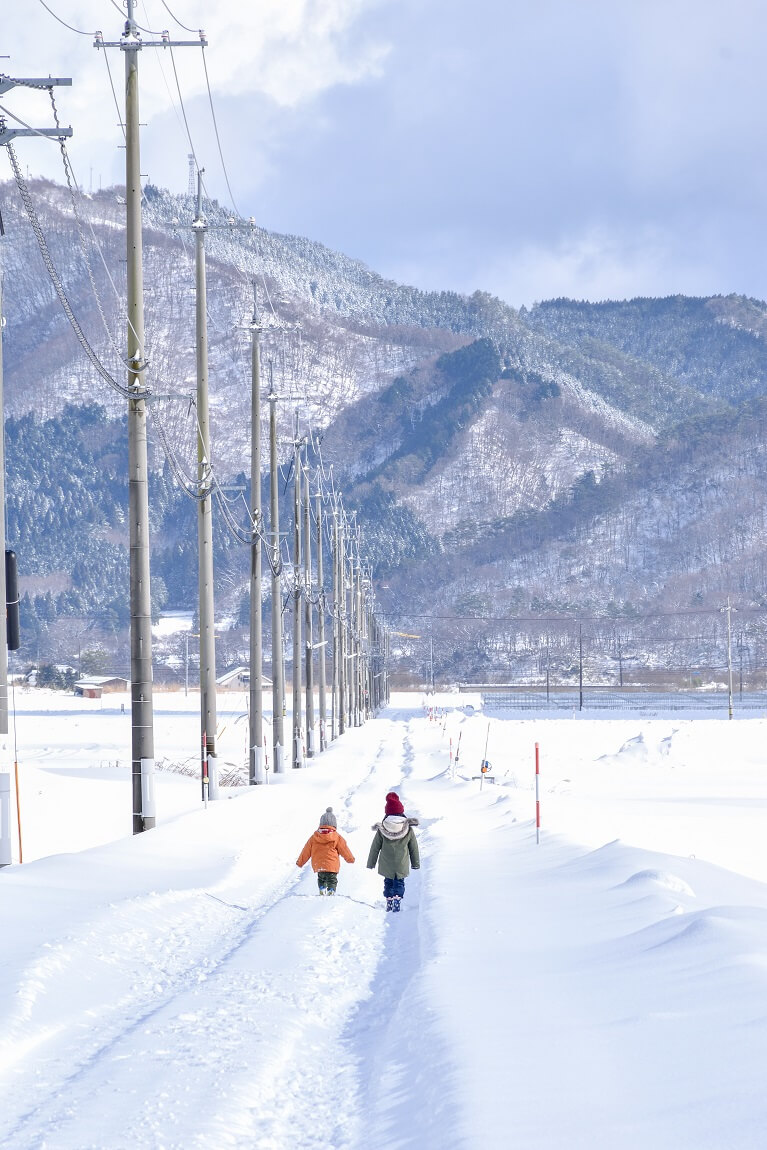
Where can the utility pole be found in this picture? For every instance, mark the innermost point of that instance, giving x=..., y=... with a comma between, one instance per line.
x=387, y=657
x=142, y=718
x=256, y=758
x=142, y=721
x=6, y=136
x=373, y=664
x=349, y=676
x=321, y=624
x=620, y=660
x=278, y=705
x=335, y=692
x=367, y=691
x=364, y=648
x=208, y=718
x=356, y=629
x=308, y=635
x=3, y=596
x=729, y=658
x=6, y=848
x=344, y=667
x=740, y=659
x=298, y=755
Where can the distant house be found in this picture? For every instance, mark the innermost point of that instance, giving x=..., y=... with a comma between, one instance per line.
x=93, y=686
x=239, y=677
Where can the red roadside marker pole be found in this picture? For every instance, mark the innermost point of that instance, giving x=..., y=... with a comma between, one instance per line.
x=205, y=777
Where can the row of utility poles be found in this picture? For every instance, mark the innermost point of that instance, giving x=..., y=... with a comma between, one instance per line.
x=359, y=649
x=359, y=644
x=359, y=683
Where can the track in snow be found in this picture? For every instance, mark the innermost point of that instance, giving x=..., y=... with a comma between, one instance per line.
x=255, y=1026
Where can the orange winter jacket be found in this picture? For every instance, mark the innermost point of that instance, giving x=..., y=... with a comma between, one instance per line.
x=324, y=848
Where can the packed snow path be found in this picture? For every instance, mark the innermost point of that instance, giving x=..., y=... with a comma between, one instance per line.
x=188, y=988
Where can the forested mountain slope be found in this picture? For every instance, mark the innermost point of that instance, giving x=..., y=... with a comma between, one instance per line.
x=574, y=459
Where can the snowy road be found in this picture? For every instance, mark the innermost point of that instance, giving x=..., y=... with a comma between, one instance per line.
x=187, y=988
x=234, y=1011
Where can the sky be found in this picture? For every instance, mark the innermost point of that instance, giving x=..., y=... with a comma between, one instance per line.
x=599, y=983
x=593, y=150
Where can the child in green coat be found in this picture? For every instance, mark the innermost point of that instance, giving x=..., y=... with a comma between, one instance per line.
x=395, y=849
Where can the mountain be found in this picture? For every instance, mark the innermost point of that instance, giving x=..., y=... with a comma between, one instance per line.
x=519, y=473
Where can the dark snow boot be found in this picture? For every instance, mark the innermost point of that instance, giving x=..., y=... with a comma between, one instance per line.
x=390, y=904
x=396, y=902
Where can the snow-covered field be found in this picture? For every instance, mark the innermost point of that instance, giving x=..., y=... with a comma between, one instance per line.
x=606, y=988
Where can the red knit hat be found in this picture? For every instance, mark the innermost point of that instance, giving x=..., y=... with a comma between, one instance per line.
x=394, y=804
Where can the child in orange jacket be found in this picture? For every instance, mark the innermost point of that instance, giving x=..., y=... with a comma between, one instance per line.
x=326, y=848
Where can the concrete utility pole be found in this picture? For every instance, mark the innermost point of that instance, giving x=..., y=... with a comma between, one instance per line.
x=729, y=658
x=6, y=136
x=208, y=717
x=138, y=494
x=298, y=749
x=368, y=643
x=9, y=586
x=354, y=624
x=278, y=696
x=3, y=597
x=336, y=634
x=377, y=663
x=308, y=630
x=321, y=625
x=361, y=714
x=256, y=759
x=341, y=620
x=6, y=850
x=142, y=722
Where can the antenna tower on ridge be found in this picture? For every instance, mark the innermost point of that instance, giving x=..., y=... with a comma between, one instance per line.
x=191, y=188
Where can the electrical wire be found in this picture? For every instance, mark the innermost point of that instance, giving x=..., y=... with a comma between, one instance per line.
x=186, y=121
x=120, y=120
x=218, y=138
x=192, y=30
x=69, y=26
x=72, y=184
x=194, y=488
x=56, y=279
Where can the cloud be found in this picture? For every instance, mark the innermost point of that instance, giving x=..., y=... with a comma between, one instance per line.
x=594, y=149
x=288, y=51
x=598, y=264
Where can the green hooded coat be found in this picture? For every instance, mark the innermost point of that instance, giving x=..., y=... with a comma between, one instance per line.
x=394, y=847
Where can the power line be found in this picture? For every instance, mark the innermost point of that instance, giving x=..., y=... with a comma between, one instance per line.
x=570, y=619
x=56, y=279
x=69, y=26
x=186, y=29
x=72, y=184
x=218, y=138
x=186, y=121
